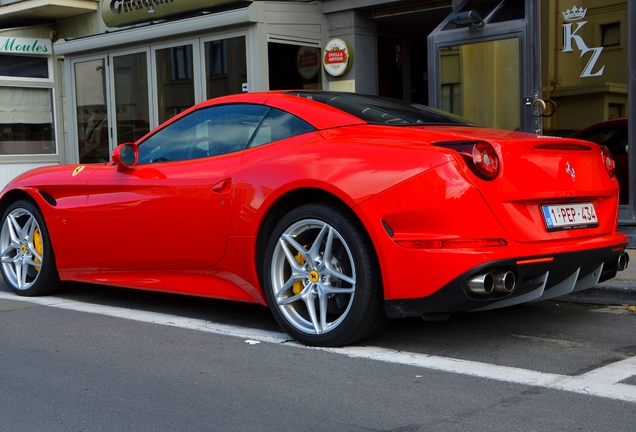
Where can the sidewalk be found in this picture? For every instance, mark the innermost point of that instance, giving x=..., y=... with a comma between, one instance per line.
x=618, y=291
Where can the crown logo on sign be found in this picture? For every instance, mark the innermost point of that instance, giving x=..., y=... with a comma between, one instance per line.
x=574, y=14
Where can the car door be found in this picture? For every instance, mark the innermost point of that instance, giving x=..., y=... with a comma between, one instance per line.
x=172, y=210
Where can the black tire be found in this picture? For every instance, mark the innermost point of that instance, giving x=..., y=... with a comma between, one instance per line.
x=28, y=262
x=323, y=302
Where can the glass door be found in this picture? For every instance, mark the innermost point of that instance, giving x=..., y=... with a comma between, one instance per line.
x=480, y=82
x=131, y=96
x=484, y=67
x=91, y=110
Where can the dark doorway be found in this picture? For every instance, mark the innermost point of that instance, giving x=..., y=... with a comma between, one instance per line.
x=403, y=50
x=390, y=67
x=292, y=67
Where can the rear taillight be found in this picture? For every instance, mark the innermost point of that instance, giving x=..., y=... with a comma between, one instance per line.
x=485, y=160
x=480, y=156
x=608, y=161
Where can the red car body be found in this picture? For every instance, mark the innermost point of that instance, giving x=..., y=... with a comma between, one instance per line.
x=440, y=236
x=613, y=135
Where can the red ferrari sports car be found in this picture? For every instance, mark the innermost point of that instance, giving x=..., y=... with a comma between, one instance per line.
x=336, y=210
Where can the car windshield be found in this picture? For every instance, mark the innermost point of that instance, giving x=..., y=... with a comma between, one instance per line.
x=379, y=110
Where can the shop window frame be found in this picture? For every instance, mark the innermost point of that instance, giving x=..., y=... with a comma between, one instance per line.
x=31, y=156
x=598, y=34
x=220, y=36
x=44, y=83
x=197, y=77
x=152, y=109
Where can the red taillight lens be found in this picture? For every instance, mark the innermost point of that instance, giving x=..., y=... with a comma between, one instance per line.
x=480, y=156
x=485, y=160
x=608, y=161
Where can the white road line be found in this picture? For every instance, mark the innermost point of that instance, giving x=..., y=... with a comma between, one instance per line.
x=603, y=382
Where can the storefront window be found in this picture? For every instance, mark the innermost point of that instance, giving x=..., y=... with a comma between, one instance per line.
x=26, y=121
x=23, y=66
x=225, y=67
x=132, y=115
x=175, y=82
x=585, y=76
x=92, y=111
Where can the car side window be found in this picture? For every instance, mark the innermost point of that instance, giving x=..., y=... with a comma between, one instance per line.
x=278, y=125
x=209, y=131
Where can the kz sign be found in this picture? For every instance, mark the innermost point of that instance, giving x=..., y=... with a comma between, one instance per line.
x=569, y=36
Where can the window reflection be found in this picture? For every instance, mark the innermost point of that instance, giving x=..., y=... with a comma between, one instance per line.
x=92, y=112
x=24, y=66
x=206, y=132
x=585, y=74
x=225, y=67
x=481, y=82
x=175, y=84
x=131, y=97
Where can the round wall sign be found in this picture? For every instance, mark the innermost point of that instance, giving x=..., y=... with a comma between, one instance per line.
x=338, y=57
x=307, y=62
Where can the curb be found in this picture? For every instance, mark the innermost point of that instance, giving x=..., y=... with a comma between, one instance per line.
x=612, y=292
x=618, y=291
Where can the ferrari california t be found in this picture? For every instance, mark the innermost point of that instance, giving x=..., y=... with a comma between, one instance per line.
x=338, y=211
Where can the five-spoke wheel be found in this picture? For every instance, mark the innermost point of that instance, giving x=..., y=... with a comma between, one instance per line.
x=28, y=265
x=321, y=277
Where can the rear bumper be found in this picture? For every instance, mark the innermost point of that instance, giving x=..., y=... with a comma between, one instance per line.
x=565, y=273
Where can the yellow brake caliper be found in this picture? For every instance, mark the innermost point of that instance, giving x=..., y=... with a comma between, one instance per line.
x=37, y=242
x=298, y=285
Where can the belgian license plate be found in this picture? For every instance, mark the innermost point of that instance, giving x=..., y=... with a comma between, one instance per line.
x=569, y=216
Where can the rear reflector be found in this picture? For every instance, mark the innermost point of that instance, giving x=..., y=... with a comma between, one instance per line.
x=451, y=244
x=535, y=261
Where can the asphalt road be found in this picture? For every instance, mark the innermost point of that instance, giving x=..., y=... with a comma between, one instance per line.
x=98, y=358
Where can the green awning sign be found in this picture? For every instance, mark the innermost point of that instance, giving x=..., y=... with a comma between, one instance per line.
x=13, y=45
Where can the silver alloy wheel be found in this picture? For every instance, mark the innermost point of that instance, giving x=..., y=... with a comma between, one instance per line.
x=313, y=276
x=22, y=249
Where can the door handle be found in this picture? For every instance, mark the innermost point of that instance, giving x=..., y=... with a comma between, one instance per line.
x=539, y=107
x=222, y=187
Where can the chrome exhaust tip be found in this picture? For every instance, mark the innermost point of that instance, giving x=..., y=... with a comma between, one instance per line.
x=622, y=262
x=481, y=284
x=505, y=282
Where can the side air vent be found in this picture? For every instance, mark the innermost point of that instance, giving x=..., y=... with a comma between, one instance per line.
x=48, y=198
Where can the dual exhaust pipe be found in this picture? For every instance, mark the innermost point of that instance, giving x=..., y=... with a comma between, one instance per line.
x=504, y=281
x=499, y=281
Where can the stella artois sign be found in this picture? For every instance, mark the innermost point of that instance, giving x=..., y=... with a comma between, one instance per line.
x=338, y=57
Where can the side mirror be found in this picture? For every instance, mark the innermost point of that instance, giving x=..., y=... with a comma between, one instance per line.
x=126, y=155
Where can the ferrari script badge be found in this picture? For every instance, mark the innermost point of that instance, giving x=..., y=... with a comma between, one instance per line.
x=78, y=170
x=570, y=171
